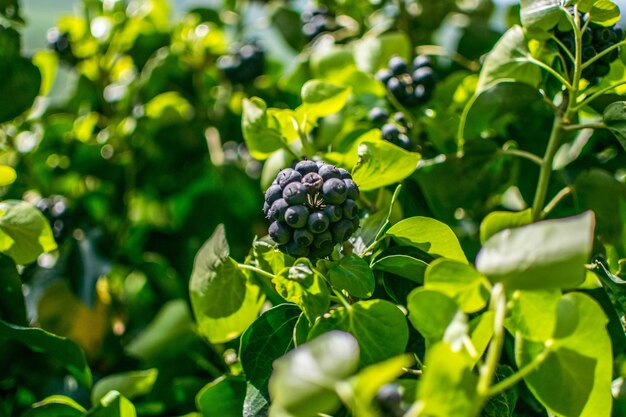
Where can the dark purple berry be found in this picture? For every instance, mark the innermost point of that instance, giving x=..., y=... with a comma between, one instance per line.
x=312, y=182
x=287, y=176
x=421, y=61
x=378, y=115
x=345, y=175
x=303, y=237
x=353, y=190
x=334, y=191
x=304, y=167
x=384, y=75
x=602, y=34
x=273, y=193
x=295, y=193
x=390, y=132
x=295, y=250
x=333, y=213
x=328, y=171
x=398, y=65
x=317, y=222
x=425, y=76
x=323, y=239
x=278, y=209
x=279, y=232
x=349, y=209
x=296, y=216
x=341, y=230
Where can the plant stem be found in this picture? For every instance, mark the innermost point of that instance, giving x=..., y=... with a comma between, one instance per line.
x=556, y=200
x=488, y=370
x=597, y=94
x=256, y=270
x=522, y=154
x=341, y=298
x=603, y=53
x=520, y=374
x=552, y=71
x=563, y=47
x=546, y=169
x=584, y=126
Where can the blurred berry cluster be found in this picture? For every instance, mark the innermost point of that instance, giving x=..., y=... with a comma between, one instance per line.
x=244, y=64
x=394, y=130
x=317, y=21
x=411, y=85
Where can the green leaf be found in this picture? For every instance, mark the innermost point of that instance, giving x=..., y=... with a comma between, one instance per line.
x=497, y=102
x=614, y=116
x=459, y=281
x=448, y=386
x=56, y=406
x=430, y=312
x=353, y=275
x=20, y=81
x=113, y=405
x=267, y=339
x=604, y=12
x=373, y=52
x=533, y=314
x=304, y=380
x=503, y=404
x=580, y=352
x=223, y=397
x=368, y=381
x=130, y=384
x=544, y=255
x=302, y=285
x=497, y=221
x=7, y=175
x=66, y=352
x=381, y=163
x=320, y=99
x=12, y=308
x=377, y=320
x=428, y=235
x=540, y=14
x=24, y=232
x=223, y=300
x=402, y=265
x=47, y=62
x=11, y=10
x=261, y=138
x=508, y=60
x=256, y=403
x=172, y=323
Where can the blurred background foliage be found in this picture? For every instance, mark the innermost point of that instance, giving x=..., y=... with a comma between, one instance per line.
x=124, y=132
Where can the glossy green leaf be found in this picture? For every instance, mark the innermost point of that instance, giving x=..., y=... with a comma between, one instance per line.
x=540, y=14
x=304, y=380
x=604, y=12
x=354, y=275
x=368, y=381
x=480, y=332
x=370, y=320
x=402, y=265
x=533, y=314
x=130, y=384
x=302, y=285
x=544, y=255
x=321, y=99
x=508, y=60
x=172, y=323
x=497, y=221
x=580, y=352
x=448, y=386
x=428, y=235
x=63, y=350
x=267, y=339
x=614, y=116
x=430, y=312
x=261, y=138
x=113, y=405
x=56, y=406
x=223, y=397
x=24, y=232
x=459, y=281
x=381, y=163
x=223, y=300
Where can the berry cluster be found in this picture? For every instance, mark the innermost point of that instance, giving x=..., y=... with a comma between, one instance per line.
x=54, y=208
x=59, y=42
x=595, y=39
x=317, y=21
x=394, y=131
x=244, y=64
x=410, y=85
x=312, y=207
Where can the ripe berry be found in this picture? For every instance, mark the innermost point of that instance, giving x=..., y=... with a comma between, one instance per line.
x=398, y=65
x=304, y=167
x=384, y=75
x=341, y=230
x=328, y=171
x=390, y=132
x=421, y=61
x=353, y=190
x=333, y=213
x=296, y=250
x=273, y=193
x=349, y=209
x=295, y=193
x=279, y=232
x=334, y=191
x=317, y=222
x=296, y=216
x=425, y=76
x=303, y=237
x=378, y=115
x=312, y=182
x=287, y=176
x=277, y=209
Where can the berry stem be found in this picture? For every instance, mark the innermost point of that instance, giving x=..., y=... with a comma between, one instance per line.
x=551, y=71
x=597, y=94
x=520, y=374
x=599, y=55
x=546, y=169
x=556, y=200
x=564, y=48
x=488, y=370
x=522, y=154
